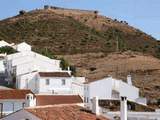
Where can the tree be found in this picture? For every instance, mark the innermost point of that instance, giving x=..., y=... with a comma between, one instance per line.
x=22, y=12
x=64, y=64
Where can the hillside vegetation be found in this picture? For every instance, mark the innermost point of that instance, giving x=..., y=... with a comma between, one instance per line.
x=65, y=31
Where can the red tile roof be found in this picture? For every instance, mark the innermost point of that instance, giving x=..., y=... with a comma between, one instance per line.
x=14, y=94
x=57, y=99
x=64, y=112
x=54, y=74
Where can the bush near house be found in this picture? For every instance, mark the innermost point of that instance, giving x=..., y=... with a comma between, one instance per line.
x=7, y=49
x=158, y=101
x=73, y=70
x=64, y=64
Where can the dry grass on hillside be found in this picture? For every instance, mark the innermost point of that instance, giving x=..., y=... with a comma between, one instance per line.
x=144, y=69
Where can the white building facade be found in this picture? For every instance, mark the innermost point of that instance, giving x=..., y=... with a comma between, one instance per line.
x=111, y=89
x=51, y=83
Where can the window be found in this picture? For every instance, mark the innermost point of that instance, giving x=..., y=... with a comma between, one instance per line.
x=87, y=100
x=23, y=105
x=47, y=82
x=63, y=82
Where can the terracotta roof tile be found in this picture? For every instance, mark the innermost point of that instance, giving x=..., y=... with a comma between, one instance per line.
x=54, y=74
x=13, y=94
x=64, y=112
x=57, y=99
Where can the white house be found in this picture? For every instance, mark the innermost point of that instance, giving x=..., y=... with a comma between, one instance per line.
x=22, y=47
x=113, y=89
x=12, y=100
x=4, y=43
x=51, y=83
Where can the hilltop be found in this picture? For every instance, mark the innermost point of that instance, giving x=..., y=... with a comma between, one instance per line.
x=97, y=45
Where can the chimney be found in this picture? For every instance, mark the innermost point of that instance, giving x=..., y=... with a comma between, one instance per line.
x=29, y=101
x=68, y=68
x=129, y=80
x=123, y=108
x=95, y=105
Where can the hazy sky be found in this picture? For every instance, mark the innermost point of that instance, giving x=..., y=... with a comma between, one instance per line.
x=143, y=14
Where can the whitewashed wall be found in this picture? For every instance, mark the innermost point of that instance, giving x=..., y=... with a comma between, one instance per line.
x=10, y=106
x=101, y=88
x=135, y=115
x=30, y=61
x=2, y=67
x=25, y=68
x=56, y=85
x=78, y=89
x=21, y=60
x=23, y=47
x=79, y=79
x=131, y=92
x=37, y=84
x=28, y=81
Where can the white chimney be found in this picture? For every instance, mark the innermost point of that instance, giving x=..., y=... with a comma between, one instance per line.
x=30, y=100
x=123, y=108
x=129, y=79
x=95, y=105
x=68, y=68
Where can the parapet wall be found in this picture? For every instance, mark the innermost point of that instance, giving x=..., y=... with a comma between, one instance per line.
x=67, y=9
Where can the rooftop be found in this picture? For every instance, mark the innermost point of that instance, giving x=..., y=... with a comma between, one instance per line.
x=63, y=112
x=54, y=74
x=13, y=94
x=57, y=99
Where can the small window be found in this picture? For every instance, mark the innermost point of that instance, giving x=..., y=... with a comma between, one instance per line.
x=63, y=82
x=87, y=100
x=47, y=81
x=27, y=97
x=23, y=105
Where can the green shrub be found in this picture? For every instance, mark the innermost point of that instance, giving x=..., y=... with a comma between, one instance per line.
x=7, y=49
x=64, y=64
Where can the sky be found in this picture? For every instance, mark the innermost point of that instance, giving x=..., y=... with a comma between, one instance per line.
x=142, y=14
